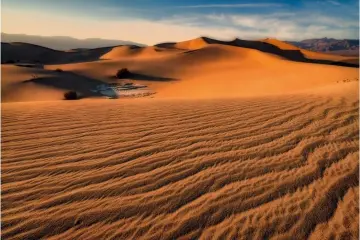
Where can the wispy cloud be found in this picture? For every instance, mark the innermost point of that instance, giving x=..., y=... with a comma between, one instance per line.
x=334, y=2
x=243, y=5
x=182, y=25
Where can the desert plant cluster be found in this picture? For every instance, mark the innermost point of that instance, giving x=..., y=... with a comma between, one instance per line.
x=71, y=95
x=123, y=73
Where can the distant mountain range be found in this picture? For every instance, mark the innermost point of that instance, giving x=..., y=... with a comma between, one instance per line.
x=64, y=43
x=330, y=45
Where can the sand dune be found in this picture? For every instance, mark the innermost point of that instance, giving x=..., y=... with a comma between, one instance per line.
x=280, y=44
x=243, y=140
x=120, y=52
x=138, y=52
x=21, y=84
x=310, y=54
x=192, y=44
x=248, y=168
x=29, y=53
x=272, y=46
x=213, y=71
x=220, y=71
x=256, y=77
x=32, y=53
x=14, y=87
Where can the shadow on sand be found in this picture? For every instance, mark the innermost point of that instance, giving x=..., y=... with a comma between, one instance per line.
x=70, y=81
x=41, y=55
x=144, y=77
x=293, y=55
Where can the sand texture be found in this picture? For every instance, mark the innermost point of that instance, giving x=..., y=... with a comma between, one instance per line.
x=237, y=143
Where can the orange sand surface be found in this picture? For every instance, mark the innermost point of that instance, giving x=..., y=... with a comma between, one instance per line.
x=237, y=143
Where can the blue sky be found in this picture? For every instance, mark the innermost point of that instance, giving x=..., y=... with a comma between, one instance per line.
x=154, y=21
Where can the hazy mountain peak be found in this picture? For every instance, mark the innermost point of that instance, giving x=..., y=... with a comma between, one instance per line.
x=330, y=45
x=64, y=42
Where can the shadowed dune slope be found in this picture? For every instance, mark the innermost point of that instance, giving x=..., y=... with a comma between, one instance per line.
x=282, y=167
x=19, y=84
x=293, y=53
x=279, y=44
x=29, y=53
x=15, y=89
x=353, y=60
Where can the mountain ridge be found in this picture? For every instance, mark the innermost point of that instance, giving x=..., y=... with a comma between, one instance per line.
x=329, y=45
x=64, y=42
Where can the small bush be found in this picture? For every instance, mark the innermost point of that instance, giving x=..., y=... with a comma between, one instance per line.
x=123, y=73
x=58, y=70
x=71, y=95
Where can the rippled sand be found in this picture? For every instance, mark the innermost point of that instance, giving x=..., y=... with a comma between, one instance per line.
x=281, y=167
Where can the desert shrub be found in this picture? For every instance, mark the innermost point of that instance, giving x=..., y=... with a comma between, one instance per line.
x=71, y=95
x=58, y=70
x=123, y=73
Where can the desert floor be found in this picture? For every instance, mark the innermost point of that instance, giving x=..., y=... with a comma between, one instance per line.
x=253, y=168
x=247, y=145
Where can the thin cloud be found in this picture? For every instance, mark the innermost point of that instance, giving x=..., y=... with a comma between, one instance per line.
x=281, y=25
x=334, y=2
x=243, y=5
